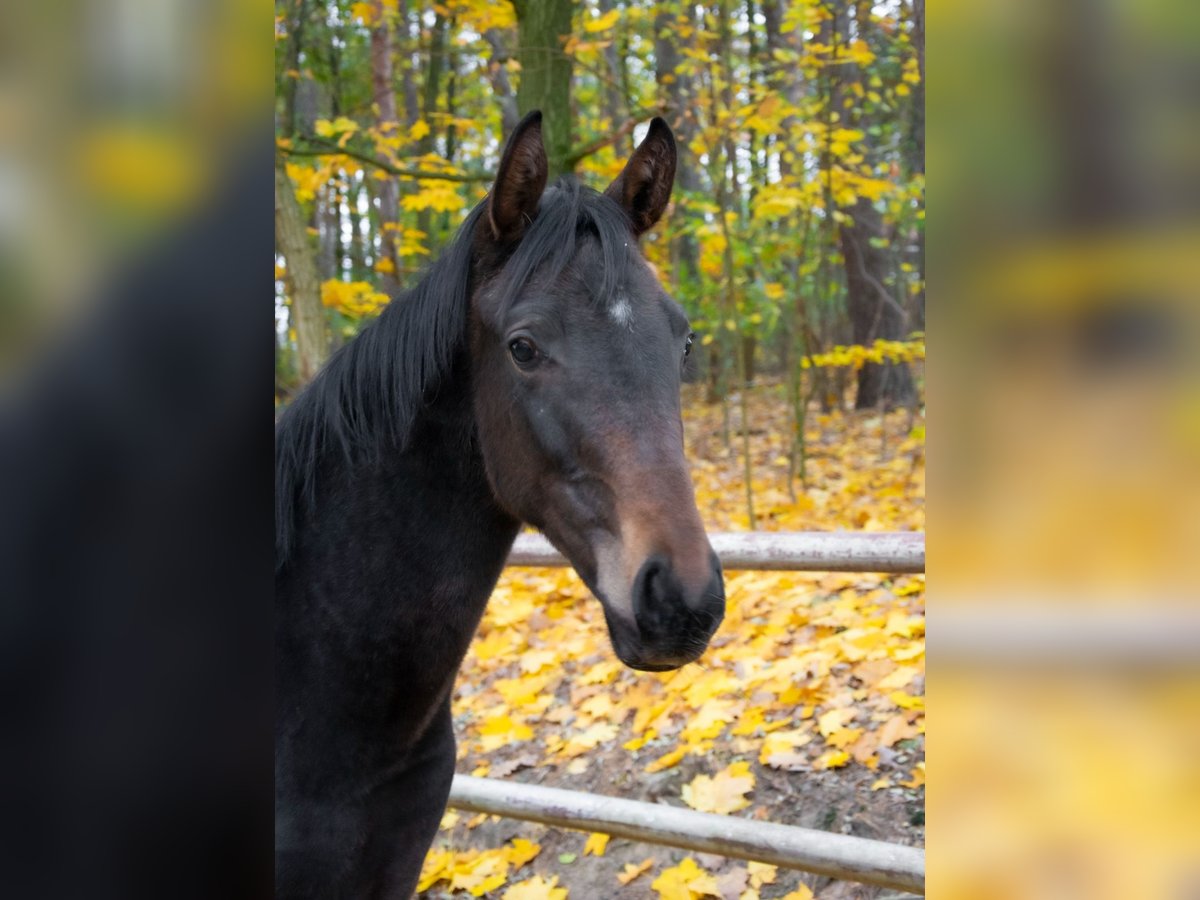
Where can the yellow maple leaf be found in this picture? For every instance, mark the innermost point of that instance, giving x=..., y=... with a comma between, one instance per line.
x=596, y=844
x=603, y=23
x=500, y=730
x=779, y=748
x=437, y=867
x=907, y=701
x=341, y=125
x=632, y=871
x=834, y=759
x=480, y=873
x=761, y=873
x=536, y=889
x=686, y=881
x=419, y=129
x=723, y=793
x=590, y=738
x=834, y=720
x=918, y=776
x=364, y=12
x=667, y=760
x=533, y=661
x=436, y=195
x=902, y=677
x=522, y=851
x=801, y=893
x=843, y=737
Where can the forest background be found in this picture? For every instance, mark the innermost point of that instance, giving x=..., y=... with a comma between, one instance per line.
x=795, y=241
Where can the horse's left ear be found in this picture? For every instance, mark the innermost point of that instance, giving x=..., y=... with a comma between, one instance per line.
x=520, y=181
x=644, y=186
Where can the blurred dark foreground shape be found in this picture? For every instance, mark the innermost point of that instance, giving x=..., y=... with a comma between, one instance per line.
x=135, y=641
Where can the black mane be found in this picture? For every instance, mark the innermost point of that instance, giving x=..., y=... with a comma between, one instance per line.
x=366, y=399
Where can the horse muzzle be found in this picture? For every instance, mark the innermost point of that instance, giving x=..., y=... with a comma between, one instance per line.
x=672, y=622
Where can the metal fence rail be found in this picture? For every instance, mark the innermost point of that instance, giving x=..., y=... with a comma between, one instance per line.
x=835, y=855
x=893, y=552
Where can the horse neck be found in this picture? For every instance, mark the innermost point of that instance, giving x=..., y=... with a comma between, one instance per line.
x=431, y=490
x=388, y=580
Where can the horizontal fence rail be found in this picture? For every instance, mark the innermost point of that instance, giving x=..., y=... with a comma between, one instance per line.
x=891, y=552
x=834, y=855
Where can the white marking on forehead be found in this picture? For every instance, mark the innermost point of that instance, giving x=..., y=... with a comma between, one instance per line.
x=621, y=311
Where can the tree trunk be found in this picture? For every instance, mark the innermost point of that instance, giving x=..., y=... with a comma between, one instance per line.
x=429, y=107
x=408, y=84
x=384, y=95
x=916, y=152
x=612, y=90
x=307, y=314
x=874, y=313
x=542, y=27
x=329, y=228
x=290, y=83
x=674, y=91
x=499, y=41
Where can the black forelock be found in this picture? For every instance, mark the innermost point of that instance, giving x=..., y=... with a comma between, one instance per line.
x=366, y=399
x=568, y=212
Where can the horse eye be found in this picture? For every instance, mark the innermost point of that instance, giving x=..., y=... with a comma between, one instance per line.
x=523, y=352
x=687, y=348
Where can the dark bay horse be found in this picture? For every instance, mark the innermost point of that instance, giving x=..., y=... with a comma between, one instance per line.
x=532, y=376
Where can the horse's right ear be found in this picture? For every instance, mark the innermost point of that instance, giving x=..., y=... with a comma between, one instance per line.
x=519, y=183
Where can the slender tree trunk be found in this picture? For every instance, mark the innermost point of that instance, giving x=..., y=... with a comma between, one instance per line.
x=429, y=108
x=874, y=312
x=916, y=152
x=500, y=41
x=384, y=94
x=542, y=27
x=356, y=251
x=295, y=43
x=409, y=41
x=329, y=229
x=675, y=90
x=612, y=93
x=307, y=314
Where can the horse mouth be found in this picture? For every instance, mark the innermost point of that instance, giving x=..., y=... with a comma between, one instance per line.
x=634, y=650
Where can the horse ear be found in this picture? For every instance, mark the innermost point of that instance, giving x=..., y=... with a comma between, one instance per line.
x=519, y=183
x=644, y=186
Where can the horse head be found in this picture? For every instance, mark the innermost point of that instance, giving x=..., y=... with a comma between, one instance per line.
x=577, y=361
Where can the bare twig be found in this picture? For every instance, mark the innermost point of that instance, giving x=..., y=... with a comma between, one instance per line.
x=318, y=148
x=585, y=150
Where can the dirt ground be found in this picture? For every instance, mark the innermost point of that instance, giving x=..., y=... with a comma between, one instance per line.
x=839, y=800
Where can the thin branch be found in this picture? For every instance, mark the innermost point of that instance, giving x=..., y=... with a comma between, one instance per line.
x=586, y=150
x=317, y=148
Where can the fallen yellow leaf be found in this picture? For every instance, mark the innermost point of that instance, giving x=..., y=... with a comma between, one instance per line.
x=723, y=793
x=686, y=881
x=631, y=871
x=596, y=844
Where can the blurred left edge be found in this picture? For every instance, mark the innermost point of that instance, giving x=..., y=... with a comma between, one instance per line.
x=135, y=642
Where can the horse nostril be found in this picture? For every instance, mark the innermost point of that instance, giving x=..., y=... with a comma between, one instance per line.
x=663, y=607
